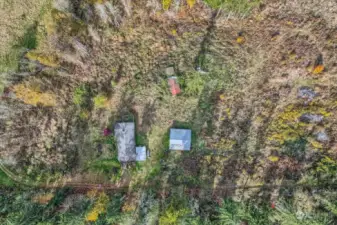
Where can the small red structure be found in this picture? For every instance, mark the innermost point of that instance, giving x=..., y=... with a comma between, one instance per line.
x=107, y=132
x=174, y=86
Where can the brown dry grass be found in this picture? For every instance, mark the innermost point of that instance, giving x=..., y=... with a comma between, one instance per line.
x=281, y=42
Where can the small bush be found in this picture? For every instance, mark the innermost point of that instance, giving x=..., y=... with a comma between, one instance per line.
x=99, y=207
x=194, y=84
x=318, y=69
x=100, y=101
x=172, y=216
x=190, y=3
x=45, y=59
x=231, y=212
x=81, y=96
x=166, y=4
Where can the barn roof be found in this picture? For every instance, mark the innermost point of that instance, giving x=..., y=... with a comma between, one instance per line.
x=125, y=135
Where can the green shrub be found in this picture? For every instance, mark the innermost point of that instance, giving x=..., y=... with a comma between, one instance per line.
x=285, y=214
x=105, y=165
x=194, y=84
x=9, y=62
x=5, y=180
x=327, y=168
x=231, y=212
x=172, y=215
x=81, y=96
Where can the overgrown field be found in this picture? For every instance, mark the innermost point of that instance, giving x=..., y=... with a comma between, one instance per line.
x=259, y=93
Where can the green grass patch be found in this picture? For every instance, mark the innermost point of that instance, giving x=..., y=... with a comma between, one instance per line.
x=237, y=6
x=81, y=96
x=5, y=180
x=141, y=139
x=105, y=165
x=29, y=39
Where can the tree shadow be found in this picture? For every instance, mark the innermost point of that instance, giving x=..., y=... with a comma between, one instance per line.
x=149, y=116
x=29, y=39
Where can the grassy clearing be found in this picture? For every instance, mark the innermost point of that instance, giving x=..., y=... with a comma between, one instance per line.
x=5, y=180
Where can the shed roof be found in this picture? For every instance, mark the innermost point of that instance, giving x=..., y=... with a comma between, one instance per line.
x=180, y=139
x=141, y=153
x=125, y=135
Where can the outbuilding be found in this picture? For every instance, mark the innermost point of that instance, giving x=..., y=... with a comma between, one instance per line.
x=126, y=145
x=180, y=139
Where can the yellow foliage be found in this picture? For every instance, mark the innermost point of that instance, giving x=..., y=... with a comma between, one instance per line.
x=240, y=40
x=166, y=4
x=318, y=69
x=129, y=206
x=315, y=144
x=273, y=158
x=174, y=32
x=222, y=97
x=34, y=97
x=92, y=194
x=99, y=207
x=92, y=216
x=224, y=144
x=100, y=101
x=286, y=127
x=45, y=59
x=63, y=23
x=51, y=19
x=191, y=3
x=43, y=199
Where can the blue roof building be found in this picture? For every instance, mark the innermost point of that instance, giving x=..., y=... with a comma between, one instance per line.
x=180, y=139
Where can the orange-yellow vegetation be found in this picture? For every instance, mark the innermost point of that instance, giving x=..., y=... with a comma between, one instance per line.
x=128, y=207
x=99, y=207
x=222, y=97
x=100, y=101
x=43, y=58
x=92, y=194
x=63, y=23
x=43, y=198
x=51, y=19
x=191, y=3
x=287, y=127
x=224, y=144
x=34, y=96
x=166, y=4
x=240, y=40
x=318, y=69
x=273, y=158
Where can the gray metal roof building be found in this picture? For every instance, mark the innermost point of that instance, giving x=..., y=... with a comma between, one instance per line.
x=126, y=145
